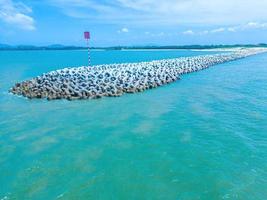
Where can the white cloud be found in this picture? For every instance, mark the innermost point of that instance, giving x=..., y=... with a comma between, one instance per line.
x=231, y=29
x=243, y=27
x=160, y=34
x=123, y=30
x=16, y=14
x=203, y=32
x=247, y=26
x=254, y=25
x=188, y=32
x=208, y=12
x=218, y=30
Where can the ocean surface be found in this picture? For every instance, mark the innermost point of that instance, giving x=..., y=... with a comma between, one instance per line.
x=203, y=137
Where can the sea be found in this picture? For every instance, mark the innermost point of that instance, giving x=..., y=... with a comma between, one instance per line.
x=203, y=137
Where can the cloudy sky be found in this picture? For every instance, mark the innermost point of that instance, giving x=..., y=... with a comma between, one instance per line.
x=133, y=22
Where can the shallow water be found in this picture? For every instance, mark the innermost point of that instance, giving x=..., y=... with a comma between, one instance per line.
x=203, y=137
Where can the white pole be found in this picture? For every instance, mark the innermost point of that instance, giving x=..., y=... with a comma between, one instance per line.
x=89, y=59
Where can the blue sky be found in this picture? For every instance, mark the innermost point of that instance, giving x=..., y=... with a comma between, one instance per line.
x=133, y=22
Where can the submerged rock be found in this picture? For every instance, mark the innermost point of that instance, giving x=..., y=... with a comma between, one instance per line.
x=115, y=79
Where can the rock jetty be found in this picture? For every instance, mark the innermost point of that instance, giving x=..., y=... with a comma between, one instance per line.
x=116, y=79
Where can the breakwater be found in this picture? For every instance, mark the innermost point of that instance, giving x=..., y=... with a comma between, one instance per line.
x=116, y=79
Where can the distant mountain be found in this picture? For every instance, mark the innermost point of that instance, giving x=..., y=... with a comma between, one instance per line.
x=56, y=46
x=32, y=47
x=4, y=46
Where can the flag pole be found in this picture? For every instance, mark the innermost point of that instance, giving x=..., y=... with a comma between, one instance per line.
x=89, y=59
x=87, y=38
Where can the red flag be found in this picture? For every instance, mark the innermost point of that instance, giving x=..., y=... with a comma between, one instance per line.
x=86, y=35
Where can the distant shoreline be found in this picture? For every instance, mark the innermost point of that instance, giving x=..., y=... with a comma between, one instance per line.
x=127, y=48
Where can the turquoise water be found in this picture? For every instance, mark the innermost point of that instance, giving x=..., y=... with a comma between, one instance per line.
x=203, y=137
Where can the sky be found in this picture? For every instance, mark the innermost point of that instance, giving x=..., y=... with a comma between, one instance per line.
x=133, y=22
